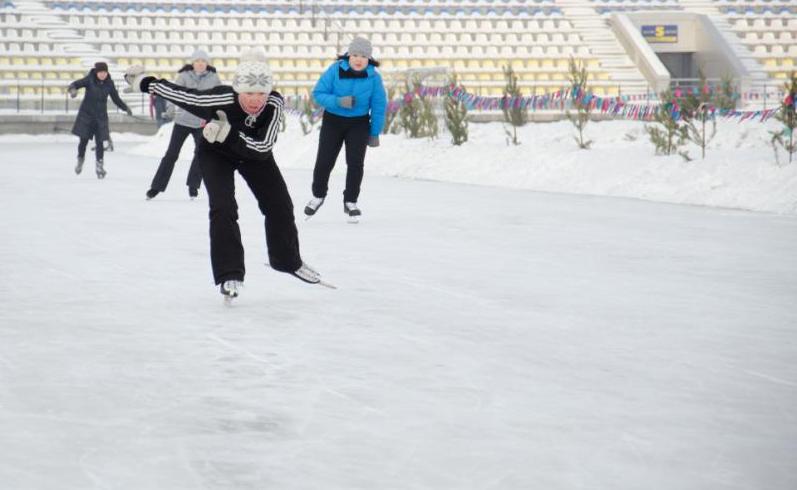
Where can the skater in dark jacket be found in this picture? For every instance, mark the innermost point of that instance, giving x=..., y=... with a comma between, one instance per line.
x=353, y=97
x=197, y=75
x=92, y=118
x=243, y=122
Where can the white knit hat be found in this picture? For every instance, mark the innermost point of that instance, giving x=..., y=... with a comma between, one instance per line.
x=253, y=73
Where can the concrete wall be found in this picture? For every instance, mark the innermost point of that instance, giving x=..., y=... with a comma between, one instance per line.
x=62, y=123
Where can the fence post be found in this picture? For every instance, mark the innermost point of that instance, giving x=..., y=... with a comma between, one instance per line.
x=42, y=92
x=18, y=101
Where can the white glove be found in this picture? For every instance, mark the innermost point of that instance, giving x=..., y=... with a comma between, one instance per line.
x=72, y=92
x=133, y=77
x=216, y=130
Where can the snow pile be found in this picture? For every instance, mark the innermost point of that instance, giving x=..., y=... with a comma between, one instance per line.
x=739, y=170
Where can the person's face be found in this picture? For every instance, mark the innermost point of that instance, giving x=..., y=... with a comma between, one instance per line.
x=200, y=66
x=102, y=75
x=253, y=101
x=358, y=62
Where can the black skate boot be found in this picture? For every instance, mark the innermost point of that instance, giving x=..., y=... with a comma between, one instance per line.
x=100, y=170
x=79, y=166
x=352, y=211
x=313, y=205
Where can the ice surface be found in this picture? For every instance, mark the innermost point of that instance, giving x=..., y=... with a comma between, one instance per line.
x=481, y=338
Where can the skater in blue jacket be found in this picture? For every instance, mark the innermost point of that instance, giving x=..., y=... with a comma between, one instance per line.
x=353, y=97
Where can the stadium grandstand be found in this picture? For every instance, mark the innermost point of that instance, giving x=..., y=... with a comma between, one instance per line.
x=630, y=47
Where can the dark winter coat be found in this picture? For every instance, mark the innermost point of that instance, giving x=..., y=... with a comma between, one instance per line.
x=93, y=114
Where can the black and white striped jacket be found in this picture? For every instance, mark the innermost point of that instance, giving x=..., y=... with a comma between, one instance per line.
x=252, y=140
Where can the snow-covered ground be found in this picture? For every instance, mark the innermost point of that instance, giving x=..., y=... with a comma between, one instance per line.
x=481, y=337
x=739, y=170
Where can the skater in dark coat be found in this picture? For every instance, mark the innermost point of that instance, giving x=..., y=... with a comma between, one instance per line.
x=353, y=97
x=197, y=75
x=92, y=118
x=243, y=122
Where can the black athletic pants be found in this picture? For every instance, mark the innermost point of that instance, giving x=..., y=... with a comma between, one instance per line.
x=166, y=167
x=266, y=183
x=336, y=130
x=99, y=150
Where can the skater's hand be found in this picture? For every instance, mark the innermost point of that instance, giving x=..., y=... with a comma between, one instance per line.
x=373, y=141
x=216, y=130
x=72, y=92
x=133, y=77
x=346, y=102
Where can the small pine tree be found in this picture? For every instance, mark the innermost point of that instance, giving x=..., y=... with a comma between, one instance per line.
x=787, y=115
x=667, y=134
x=456, y=114
x=695, y=113
x=578, y=84
x=390, y=116
x=726, y=97
x=417, y=114
x=309, y=116
x=514, y=113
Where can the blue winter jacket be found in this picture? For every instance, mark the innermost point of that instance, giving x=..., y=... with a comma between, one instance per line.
x=369, y=94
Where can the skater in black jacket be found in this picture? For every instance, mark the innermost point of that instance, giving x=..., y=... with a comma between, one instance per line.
x=244, y=120
x=92, y=118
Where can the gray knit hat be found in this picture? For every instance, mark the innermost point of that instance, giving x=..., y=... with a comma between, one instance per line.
x=360, y=47
x=199, y=54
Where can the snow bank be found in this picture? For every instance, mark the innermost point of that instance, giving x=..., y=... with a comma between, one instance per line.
x=739, y=170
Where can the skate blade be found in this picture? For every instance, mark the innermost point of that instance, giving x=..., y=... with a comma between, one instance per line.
x=353, y=220
x=327, y=285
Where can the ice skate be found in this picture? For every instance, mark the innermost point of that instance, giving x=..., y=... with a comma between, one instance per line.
x=312, y=206
x=100, y=170
x=352, y=211
x=230, y=290
x=310, y=276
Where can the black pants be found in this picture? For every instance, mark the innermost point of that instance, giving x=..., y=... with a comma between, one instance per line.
x=99, y=150
x=166, y=167
x=335, y=130
x=266, y=183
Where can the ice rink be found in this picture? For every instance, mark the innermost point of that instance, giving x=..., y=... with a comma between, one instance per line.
x=480, y=338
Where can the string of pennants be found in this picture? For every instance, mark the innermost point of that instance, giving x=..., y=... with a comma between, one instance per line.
x=621, y=107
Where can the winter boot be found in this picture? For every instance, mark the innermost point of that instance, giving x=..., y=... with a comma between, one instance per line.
x=79, y=166
x=313, y=205
x=231, y=289
x=100, y=170
x=152, y=193
x=352, y=211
